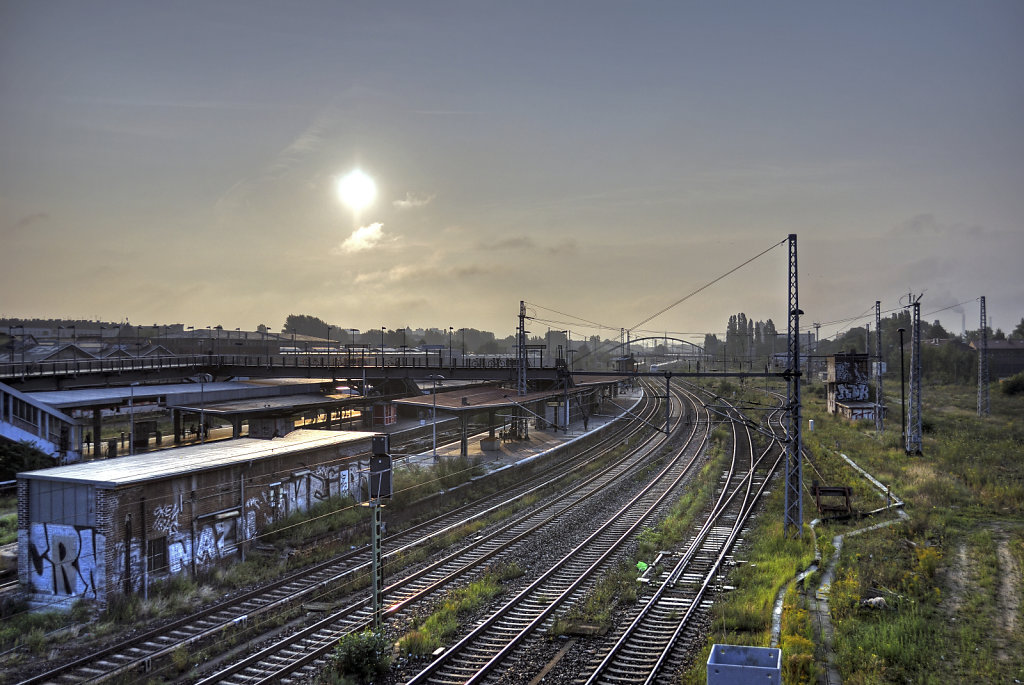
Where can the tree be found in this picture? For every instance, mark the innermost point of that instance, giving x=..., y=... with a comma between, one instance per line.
x=1018, y=332
x=305, y=324
x=16, y=457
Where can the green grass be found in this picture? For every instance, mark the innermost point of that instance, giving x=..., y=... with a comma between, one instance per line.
x=965, y=498
x=443, y=624
x=8, y=528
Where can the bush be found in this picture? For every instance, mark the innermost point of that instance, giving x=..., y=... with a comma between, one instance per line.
x=1014, y=385
x=360, y=657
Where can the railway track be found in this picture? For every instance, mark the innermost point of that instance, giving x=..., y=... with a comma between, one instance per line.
x=654, y=645
x=481, y=653
x=296, y=658
x=141, y=654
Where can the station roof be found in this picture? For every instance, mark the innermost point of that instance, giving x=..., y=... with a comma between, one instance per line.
x=139, y=468
x=475, y=399
x=92, y=397
x=275, y=405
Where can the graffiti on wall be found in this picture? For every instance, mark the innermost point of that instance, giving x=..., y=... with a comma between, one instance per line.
x=165, y=519
x=63, y=559
x=852, y=392
x=329, y=481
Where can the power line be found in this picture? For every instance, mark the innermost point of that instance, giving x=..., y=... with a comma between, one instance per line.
x=707, y=285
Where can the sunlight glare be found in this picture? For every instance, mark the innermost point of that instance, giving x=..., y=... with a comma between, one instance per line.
x=357, y=190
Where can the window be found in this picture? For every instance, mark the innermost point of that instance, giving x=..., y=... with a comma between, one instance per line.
x=156, y=555
x=72, y=504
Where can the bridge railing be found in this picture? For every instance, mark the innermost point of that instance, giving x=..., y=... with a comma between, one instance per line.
x=72, y=367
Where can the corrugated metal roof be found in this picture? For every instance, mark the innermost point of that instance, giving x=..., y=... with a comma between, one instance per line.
x=112, y=473
x=88, y=397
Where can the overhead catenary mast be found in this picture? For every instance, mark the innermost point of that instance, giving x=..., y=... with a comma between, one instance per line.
x=984, y=401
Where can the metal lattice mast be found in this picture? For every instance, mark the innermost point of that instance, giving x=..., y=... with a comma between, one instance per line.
x=521, y=351
x=879, y=399
x=914, y=409
x=794, y=515
x=984, y=401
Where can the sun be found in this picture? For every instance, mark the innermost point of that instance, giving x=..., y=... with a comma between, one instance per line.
x=357, y=190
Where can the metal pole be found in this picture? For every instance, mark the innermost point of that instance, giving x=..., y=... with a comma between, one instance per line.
x=202, y=409
x=903, y=394
x=378, y=570
x=131, y=418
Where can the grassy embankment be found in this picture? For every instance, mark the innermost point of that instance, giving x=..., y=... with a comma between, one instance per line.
x=950, y=574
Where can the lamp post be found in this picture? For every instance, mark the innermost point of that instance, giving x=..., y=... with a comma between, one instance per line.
x=903, y=400
x=352, y=344
x=131, y=418
x=433, y=413
x=463, y=346
x=202, y=408
x=22, y=327
x=451, y=359
x=382, y=329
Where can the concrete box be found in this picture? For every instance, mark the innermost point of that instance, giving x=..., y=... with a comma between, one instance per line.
x=740, y=665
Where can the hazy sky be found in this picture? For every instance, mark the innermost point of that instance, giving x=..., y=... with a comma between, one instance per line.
x=176, y=161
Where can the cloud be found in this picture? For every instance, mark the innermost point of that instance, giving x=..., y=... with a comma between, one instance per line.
x=413, y=274
x=567, y=246
x=364, y=238
x=26, y=221
x=520, y=242
x=413, y=201
x=924, y=225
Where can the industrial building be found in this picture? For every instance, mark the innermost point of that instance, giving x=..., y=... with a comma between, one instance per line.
x=847, y=386
x=94, y=529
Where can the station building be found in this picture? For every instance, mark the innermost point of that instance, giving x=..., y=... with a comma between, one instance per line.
x=94, y=529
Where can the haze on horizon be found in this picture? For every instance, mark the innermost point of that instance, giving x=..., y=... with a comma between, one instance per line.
x=179, y=162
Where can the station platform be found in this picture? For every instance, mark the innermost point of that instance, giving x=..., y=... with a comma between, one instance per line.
x=515, y=451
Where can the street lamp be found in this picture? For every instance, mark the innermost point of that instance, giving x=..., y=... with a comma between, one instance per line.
x=131, y=418
x=433, y=414
x=451, y=359
x=382, y=329
x=203, y=377
x=22, y=327
x=903, y=400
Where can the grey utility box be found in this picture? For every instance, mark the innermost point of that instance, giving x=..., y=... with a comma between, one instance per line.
x=741, y=665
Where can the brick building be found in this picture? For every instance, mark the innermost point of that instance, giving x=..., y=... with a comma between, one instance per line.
x=94, y=529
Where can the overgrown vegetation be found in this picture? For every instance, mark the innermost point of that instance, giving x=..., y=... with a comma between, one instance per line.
x=442, y=625
x=360, y=657
x=952, y=610
x=16, y=457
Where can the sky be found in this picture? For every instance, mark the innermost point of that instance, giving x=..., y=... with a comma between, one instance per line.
x=177, y=162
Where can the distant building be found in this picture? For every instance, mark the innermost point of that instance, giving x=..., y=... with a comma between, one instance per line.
x=1005, y=357
x=848, y=386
